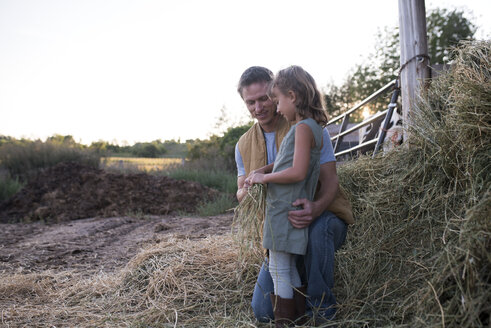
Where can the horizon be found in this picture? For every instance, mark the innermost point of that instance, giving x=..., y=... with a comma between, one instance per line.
x=143, y=71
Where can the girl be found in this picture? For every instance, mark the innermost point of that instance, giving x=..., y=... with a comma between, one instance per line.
x=293, y=175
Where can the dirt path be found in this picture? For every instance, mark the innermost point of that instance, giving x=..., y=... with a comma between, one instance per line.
x=82, y=218
x=95, y=244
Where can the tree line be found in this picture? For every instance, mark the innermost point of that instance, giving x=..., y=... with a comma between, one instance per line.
x=153, y=149
x=218, y=148
x=445, y=29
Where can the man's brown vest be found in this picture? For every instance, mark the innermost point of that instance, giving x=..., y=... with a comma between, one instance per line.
x=252, y=147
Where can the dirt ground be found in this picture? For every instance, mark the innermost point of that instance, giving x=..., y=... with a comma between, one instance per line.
x=95, y=244
x=87, y=220
x=70, y=191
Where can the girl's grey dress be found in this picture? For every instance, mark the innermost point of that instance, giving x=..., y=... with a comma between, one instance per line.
x=278, y=233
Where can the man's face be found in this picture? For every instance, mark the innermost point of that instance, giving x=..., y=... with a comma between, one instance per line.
x=258, y=103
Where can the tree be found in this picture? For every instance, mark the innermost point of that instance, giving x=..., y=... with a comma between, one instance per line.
x=148, y=149
x=62, y=140
x=445, y=29
x=100, y=147
x=219, y=151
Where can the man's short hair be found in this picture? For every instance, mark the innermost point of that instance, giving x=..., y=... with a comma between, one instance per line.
x=254, y=74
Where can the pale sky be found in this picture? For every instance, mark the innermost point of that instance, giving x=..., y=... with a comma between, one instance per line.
x=141, y=70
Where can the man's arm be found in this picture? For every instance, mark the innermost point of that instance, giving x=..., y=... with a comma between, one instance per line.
x=329, y=184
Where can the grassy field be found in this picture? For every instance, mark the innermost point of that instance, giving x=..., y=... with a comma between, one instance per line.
x=141, y=164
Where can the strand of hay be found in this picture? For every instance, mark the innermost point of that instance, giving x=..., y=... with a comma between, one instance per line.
x=420, y=251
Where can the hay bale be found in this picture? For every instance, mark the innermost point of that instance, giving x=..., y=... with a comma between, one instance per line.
x=419, y=253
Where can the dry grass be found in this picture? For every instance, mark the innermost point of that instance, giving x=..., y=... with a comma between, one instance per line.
x=420, y=252
x=132, y=164
x=248, y=225
x=177, y=283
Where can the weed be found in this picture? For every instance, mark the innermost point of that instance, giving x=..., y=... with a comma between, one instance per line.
x=220, y=205
x=8, y=187
x=221, y=180
x=21, y=158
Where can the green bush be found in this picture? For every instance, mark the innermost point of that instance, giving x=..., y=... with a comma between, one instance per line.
x=21, y=157
x=219, y=205
x=220, y=180
x=8, y=187
x=148, y=149
x=219, y=151
x=212, y=163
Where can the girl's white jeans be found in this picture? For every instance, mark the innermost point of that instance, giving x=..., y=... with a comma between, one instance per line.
x=283, y=269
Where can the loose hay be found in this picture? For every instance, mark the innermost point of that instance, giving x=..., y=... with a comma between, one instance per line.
x=419, y=253
x=190, y=282
x=178, y=282
x=248, y=225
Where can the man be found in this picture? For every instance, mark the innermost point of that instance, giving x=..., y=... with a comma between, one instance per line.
x=327, y=232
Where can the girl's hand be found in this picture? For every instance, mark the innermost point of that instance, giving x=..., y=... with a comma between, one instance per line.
x=255, y=178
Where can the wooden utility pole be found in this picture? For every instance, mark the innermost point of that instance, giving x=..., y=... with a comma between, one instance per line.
x=414, y=55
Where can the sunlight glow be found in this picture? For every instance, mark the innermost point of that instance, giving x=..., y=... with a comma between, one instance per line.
x=138, y=71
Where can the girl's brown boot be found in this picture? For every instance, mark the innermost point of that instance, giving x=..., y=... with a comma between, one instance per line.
x=299, y=297
x=284, y=311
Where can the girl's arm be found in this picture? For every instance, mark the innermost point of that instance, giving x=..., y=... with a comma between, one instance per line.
x=304, y=140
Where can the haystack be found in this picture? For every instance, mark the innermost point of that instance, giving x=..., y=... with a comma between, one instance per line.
x=419, y=253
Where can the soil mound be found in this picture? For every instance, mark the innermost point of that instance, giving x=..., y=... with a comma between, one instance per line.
x=70, y=191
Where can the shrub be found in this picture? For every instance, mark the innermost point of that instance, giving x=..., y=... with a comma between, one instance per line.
x=218, y=151
x=220, y=205
x=8, y=187
x=220, y=180
x=148, y=149
x=22, y=157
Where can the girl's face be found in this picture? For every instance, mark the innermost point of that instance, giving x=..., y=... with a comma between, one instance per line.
x=285, y=104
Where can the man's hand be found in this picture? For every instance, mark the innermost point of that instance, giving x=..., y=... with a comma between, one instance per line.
x=328, y=180
x=304, y=217
x=241, y=188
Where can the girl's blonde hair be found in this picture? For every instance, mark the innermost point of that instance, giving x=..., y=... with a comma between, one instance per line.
x=308, y=97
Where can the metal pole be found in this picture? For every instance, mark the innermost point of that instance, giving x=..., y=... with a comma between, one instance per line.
x=388, y=116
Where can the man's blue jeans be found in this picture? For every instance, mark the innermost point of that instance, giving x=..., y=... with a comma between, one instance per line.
x=326, y=234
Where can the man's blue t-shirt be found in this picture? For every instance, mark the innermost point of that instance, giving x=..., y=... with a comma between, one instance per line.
x=327, y=152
